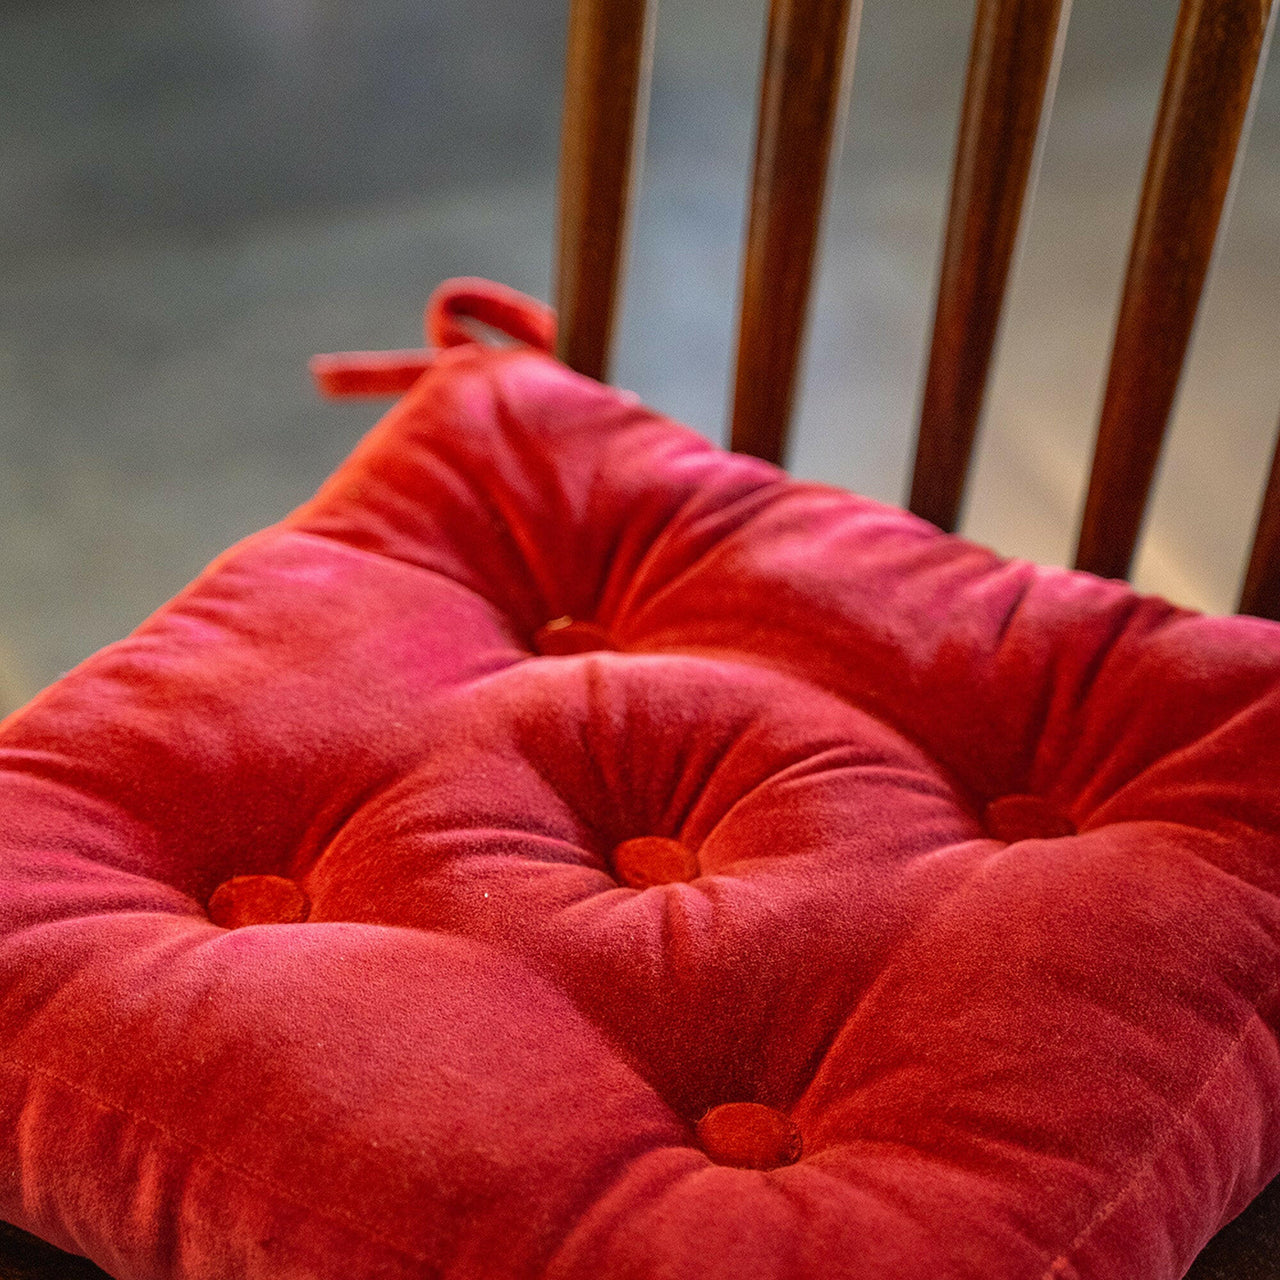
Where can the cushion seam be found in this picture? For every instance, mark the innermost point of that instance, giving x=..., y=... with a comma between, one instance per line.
x=1147, y=1164
x=336, y=1217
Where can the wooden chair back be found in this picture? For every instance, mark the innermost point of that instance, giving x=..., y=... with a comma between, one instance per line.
x=1218, y=48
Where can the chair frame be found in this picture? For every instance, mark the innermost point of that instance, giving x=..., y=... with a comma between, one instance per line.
x=1210, y=85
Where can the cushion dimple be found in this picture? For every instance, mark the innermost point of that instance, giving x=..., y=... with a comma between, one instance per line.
x=748, y=1135
x=565, y=637
x=646, y=861
x=789, y=815
x=245, y=900
x=1026, y=817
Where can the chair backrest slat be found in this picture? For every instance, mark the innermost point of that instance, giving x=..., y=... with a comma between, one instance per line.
x=1204, y=107
x=607, y=74
x=1012, y=65
x=808, y=55
x=1218, y=49
x=1261, y=594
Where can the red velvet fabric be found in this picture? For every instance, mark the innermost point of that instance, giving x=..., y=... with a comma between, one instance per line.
x=621, y=779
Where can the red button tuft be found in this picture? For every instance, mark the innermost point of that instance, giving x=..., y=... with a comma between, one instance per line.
x=1025, y=817
x=748, y=1135
x=246, y=900
x=563, y=637
x=650, y=860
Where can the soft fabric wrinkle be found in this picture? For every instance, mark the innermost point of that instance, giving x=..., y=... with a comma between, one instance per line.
x=764, y=630
x=557, y=507
x=462, y=535
x=455, y=446
x=1073, y=740
x=1213, y=765
x=552, y=591
x=659, y=542
x=866, y=696
x=1149, y=711
x=690, y=537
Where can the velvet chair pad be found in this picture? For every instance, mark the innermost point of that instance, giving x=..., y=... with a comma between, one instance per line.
x=564, y=849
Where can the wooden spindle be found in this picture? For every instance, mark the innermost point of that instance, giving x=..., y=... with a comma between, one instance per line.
x=1261, y=594
x=1012, y=70
x=607, y=72
x=1204, y=107
x=804, y=88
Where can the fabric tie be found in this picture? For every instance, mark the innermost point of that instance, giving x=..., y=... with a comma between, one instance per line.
x=453, y=310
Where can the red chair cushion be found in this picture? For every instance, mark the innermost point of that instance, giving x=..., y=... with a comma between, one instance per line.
x=565, y=849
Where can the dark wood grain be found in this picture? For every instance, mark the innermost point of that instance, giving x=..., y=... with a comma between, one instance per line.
x=1203, y=110
x=1261, y=593
x=607, y=69
x=808, y=50
x=1012, y=64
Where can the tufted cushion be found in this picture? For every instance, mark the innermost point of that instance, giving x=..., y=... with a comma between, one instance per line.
x=564, y=849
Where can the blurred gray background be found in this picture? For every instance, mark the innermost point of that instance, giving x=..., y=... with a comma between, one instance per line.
x=196, y=195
